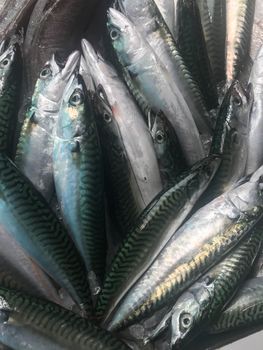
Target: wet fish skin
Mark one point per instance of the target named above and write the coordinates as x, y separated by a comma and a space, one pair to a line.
55, 26
167, 9
35, 146
150, 75
239, 20
79, 177
28, 219
149, 22
154, 228
133, 165
245, 311
167, 148
10, 84
53, 321
202, 303
193, 49
233, 215
231, 138
255, 154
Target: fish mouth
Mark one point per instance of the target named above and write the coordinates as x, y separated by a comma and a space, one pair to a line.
116, 19
71, 65
89, 54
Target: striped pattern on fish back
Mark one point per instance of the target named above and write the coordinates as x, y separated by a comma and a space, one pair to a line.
43, 229
243, 35
194, 51
246, 310
233, 271
8, 110
55, 321
140, 242
192, 85
171, 285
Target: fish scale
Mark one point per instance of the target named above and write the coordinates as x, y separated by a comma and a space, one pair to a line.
27, 217
153, 229
53, 321
245, 310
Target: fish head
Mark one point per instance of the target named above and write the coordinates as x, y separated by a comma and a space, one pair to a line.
51, 84
184, 319
72, 114
124, 37
10, 57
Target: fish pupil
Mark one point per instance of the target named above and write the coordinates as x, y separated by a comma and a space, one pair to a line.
5, 62
114, 34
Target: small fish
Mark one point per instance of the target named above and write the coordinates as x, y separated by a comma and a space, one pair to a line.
153, 230
239, 22
244, 311
193, 49
52, 322
192, 250
79, 177
202, 303
129, 152
26, 217
167, 148
255, 136
10, 84
153, 79
231, 139
35, 147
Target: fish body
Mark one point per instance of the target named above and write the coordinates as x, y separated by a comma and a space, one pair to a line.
203, 301
148, 21
255, 143
28, 219
153, 230
52, 322
239, 22
35, 146
10, 81
167, 9
180, 264
79, 178
133, 165
231, 138
244, 311
192, 46
153, 79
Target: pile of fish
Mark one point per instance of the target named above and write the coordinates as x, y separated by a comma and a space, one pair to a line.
131, 174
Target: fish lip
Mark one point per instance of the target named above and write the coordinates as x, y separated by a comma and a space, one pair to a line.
90, 56
70, 65
115, 18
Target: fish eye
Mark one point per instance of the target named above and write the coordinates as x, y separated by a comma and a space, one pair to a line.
160, 136
237, 101
76, 98
5, 62
107, 117
185, 320
114, 34
45, 73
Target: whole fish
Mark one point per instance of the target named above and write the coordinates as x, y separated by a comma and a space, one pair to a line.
203, 301
245, 311
192, 46
14, 15
52, 321
26, 216
18, 271
10, 84
231, 138
132, 163
181, 263
239, 22
78, 174
148, 20
153, 79
167, 148
55, 26
153, 230
255, 136
35, 147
